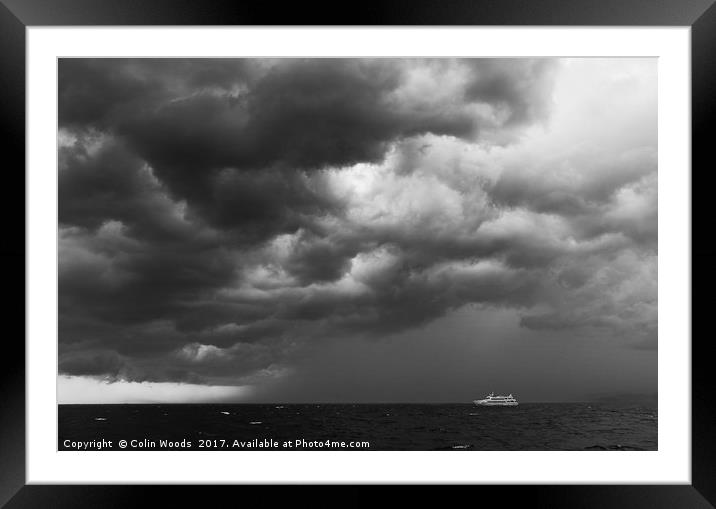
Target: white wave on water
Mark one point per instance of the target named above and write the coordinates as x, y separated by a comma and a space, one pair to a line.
255, 422
226, 413
100, 418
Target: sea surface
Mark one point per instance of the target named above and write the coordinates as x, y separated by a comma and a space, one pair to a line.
415, 427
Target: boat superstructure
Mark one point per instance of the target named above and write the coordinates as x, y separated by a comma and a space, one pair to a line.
492, 400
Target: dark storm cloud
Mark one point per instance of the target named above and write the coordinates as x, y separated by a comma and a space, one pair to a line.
101, 92
112, 183
193, 363
218, 217
253, 116
520, 87
198, 123
104, 363
317, 258
109, 276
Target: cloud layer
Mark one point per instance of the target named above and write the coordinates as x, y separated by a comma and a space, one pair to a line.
221, 219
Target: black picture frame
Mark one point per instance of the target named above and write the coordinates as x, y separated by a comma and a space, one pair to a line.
16, 15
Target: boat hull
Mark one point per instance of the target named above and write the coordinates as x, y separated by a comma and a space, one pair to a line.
495, 403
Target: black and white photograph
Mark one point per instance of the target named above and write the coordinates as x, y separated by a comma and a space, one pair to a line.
357, 254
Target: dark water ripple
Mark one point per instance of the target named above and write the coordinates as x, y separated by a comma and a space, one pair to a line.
531, 426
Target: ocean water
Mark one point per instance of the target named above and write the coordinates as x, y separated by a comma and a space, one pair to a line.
421, 427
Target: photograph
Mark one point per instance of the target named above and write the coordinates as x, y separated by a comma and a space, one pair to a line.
453, 245
357, 254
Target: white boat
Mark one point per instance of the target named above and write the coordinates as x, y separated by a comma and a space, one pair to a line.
492, 400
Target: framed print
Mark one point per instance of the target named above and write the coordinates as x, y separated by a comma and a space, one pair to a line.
443, 246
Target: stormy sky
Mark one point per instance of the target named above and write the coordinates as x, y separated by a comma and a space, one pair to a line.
356, 230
